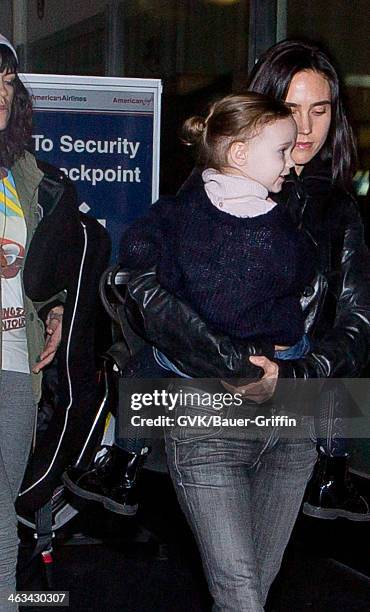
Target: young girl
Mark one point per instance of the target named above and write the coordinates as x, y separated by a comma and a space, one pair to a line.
225, 248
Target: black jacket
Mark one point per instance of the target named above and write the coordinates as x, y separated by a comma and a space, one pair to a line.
336, 306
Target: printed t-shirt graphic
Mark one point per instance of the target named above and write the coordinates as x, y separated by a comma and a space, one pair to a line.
12, 247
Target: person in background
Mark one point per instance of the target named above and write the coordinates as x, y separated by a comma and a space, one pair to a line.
44, 278
23, 349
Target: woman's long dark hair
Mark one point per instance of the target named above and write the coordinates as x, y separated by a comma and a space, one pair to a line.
15, 137
272, 76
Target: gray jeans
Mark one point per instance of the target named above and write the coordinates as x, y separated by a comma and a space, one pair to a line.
17, 417
240, 492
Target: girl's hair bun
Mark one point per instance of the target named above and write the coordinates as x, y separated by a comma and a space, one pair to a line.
193, 130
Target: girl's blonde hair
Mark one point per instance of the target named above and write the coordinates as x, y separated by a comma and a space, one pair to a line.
231, 119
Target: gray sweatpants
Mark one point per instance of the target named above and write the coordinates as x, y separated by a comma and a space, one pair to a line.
17, 417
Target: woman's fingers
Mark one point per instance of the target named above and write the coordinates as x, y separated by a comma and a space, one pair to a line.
262, 390
270, 368
54, 323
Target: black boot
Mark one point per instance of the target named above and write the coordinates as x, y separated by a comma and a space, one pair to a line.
112, 480
331, 493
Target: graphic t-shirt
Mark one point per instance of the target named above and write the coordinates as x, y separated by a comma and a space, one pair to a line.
13, 234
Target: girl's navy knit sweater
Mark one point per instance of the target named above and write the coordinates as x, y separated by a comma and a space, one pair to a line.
244, 276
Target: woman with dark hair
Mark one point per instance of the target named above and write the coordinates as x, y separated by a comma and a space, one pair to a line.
241, 490
23, 350
17, 114
291, 71
273, 75
337, 310
46, 280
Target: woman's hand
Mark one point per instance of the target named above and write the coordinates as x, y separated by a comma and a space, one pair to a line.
54, 322
262, 390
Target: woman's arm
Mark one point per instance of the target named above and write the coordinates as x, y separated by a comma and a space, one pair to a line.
197, 350
177, 330
344, 350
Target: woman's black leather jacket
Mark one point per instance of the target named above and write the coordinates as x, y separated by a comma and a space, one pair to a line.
336, 304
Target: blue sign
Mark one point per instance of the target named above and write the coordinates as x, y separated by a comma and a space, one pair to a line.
105, 137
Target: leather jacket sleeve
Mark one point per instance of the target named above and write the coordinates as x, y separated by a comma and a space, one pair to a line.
176, 329
343, 350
